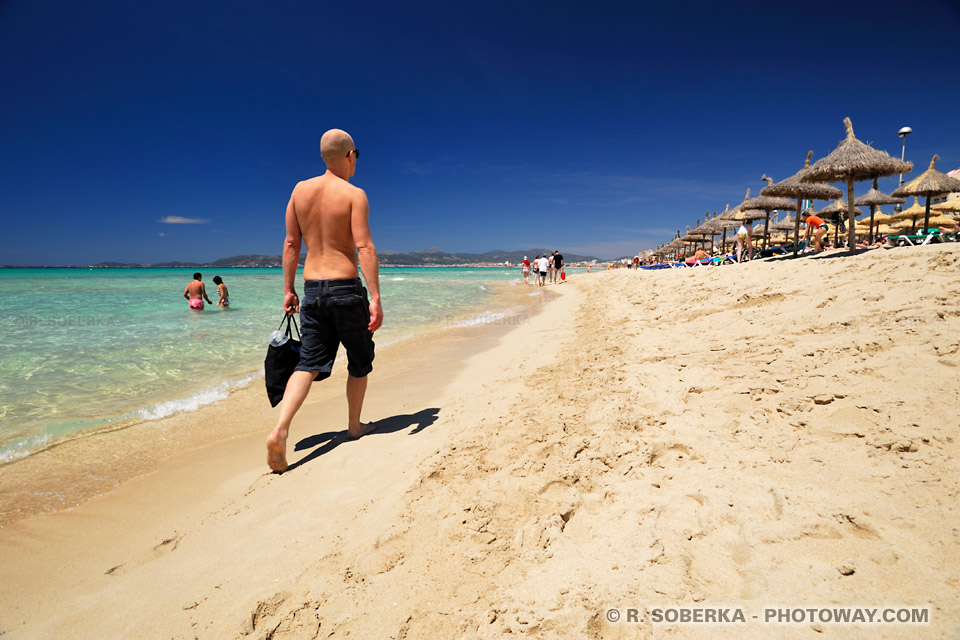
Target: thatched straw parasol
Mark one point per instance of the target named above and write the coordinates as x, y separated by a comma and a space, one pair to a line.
942, 220
910, 213
881, 218
767, 203
950, 206
873, 199
853, 161
783, 225
839, 206
792, 187
929, 183
724, 222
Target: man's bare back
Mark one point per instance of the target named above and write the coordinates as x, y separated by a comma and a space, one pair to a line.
323, 207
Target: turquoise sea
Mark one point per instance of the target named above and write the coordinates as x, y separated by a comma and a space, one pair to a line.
83, 348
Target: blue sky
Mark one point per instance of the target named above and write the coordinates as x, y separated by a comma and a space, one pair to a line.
595, 127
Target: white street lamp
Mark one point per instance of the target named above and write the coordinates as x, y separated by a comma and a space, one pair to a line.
903, 133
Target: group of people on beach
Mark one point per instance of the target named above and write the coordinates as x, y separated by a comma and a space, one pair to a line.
544, 267
196, 292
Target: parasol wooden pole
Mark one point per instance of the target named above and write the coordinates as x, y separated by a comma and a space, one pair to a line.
851, 216
873, 209
766, 230
926, 217
796, 229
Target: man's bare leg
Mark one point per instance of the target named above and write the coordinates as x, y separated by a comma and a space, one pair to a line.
356, 388
293, 396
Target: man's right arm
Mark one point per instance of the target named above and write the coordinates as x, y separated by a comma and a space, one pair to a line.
291, 259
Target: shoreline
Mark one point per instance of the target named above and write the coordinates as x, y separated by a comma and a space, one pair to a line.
63, 474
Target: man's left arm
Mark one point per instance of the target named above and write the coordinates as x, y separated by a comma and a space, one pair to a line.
367, 255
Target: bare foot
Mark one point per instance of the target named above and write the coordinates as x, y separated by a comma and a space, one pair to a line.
364, 430
277, 453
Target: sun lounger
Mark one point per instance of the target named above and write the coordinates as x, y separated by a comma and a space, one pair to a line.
918, 239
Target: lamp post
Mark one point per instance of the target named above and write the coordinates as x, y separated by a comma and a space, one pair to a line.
903, 133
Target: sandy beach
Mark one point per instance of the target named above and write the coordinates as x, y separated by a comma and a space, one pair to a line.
774, 434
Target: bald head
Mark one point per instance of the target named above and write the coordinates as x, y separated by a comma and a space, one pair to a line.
335, 145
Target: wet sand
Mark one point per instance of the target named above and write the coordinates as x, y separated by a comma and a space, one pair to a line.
782, 433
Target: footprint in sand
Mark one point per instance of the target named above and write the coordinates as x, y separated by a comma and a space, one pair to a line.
161, 549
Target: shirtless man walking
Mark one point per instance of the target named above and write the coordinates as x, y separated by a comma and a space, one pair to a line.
331, 217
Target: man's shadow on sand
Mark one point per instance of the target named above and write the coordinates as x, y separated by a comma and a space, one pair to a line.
419, 420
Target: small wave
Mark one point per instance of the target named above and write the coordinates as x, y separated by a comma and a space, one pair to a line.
397, 279
194, 402
487, 317
483, 288
24, 447
386, 343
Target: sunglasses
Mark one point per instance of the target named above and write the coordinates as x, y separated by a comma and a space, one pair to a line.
355, 152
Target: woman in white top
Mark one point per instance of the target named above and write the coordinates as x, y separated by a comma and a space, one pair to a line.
745, 237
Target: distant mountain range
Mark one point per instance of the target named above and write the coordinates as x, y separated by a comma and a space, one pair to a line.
428, 258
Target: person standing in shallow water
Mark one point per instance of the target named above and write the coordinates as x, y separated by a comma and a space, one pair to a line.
196, 293
331, 217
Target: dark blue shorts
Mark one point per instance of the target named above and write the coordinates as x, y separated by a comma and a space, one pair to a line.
335, 312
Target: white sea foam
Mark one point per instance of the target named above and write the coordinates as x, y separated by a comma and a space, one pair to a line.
192, 403
24, 447
489, 317
397, 279
483, 288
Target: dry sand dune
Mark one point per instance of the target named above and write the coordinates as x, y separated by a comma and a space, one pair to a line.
770, 435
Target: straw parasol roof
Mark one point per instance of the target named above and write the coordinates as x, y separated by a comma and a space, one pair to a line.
942, 219
853, 161
745, 215
910, 213
876, 198
950, 206
792, 187
929, 183
769, 202
880, 218
784, 225
838, 206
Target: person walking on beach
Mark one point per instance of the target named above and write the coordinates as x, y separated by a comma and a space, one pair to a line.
525, 268
542, 265
331, 217
196, 293
557, 266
